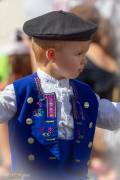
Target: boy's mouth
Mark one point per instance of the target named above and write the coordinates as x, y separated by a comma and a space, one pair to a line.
80, 70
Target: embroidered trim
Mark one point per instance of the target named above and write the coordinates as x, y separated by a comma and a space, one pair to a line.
51, 105
51, 100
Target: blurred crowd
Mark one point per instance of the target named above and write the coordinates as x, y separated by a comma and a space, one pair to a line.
102, 73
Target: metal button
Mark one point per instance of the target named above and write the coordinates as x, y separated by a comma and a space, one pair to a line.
91, 125
29, 121
90, 144
31, 157
30, 100
86, 105
30, 140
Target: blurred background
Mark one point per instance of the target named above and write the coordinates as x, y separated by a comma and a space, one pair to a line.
102, 71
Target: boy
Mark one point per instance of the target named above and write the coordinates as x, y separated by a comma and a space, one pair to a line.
52, 117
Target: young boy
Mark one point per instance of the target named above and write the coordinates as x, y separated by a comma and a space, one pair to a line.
52, 117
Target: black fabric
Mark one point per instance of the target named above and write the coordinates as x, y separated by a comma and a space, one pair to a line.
60, 25
101, 81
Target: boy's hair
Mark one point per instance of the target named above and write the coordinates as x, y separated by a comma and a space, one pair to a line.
39, 47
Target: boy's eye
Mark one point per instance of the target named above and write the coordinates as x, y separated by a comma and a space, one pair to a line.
79, 53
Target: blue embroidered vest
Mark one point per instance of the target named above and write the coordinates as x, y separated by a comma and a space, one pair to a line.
34, 141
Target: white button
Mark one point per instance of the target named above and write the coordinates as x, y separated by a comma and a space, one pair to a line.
90, 144
30, 140
30, 100
29, 121
91, 125
86, 105
31, 157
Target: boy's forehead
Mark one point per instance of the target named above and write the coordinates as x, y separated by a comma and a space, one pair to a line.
80, 45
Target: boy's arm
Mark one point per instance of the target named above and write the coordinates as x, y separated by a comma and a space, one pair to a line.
108, 114
7, 103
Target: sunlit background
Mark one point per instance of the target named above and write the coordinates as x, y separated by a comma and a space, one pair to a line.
105, 164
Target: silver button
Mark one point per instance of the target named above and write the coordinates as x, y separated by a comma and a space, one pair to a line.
86, 105
29, 121
30, 140
31, 157
91, 125
90, 144
30, 100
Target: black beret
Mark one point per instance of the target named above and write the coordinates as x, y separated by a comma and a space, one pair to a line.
60, 25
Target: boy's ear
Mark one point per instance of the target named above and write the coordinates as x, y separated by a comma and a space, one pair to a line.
50, 54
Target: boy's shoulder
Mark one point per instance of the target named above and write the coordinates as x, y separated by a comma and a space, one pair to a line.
25, 81
84, 91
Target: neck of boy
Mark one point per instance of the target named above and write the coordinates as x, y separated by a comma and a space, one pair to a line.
52, 72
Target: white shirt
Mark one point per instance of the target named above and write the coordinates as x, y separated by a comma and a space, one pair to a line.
108, 113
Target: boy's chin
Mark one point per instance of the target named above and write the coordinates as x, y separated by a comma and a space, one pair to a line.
76, 75
73, 76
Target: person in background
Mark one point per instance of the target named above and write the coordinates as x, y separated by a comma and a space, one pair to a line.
68, 4
101, 74
19, 63
102, 68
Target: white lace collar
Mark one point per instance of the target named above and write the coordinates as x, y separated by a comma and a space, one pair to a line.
49, 79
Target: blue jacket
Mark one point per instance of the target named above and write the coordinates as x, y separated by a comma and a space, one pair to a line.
35, 146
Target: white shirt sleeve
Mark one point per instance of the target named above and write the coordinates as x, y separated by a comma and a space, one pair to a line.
8, 105
108, 114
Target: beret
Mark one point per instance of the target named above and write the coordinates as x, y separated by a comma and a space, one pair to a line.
60, 25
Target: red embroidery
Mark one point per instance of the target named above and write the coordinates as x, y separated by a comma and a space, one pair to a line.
50, 130
51, 105
51, 100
